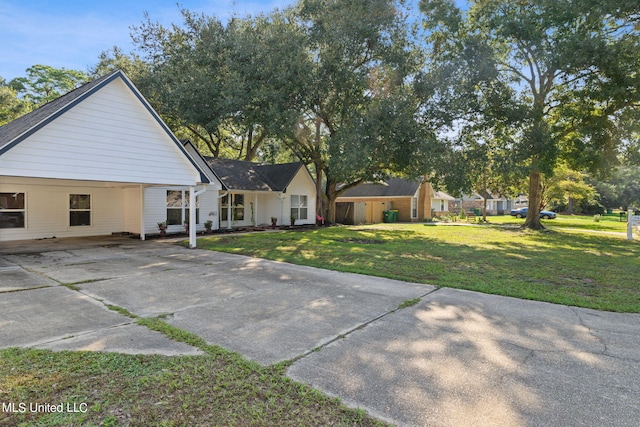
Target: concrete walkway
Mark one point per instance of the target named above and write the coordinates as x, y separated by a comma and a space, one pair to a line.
455, 358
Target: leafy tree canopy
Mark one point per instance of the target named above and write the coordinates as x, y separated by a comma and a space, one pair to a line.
11, 107
328, 80
556, 78
44, 83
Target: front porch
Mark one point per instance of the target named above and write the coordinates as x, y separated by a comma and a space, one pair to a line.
243, 209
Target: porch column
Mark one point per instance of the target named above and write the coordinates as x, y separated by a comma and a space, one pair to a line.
192, 217
255, 209
142, 232
229, 201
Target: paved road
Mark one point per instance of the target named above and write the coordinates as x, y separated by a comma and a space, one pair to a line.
455, 358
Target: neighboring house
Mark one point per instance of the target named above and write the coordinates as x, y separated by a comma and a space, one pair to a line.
96, 161
367, 202
253, 193
496, 204
440, 203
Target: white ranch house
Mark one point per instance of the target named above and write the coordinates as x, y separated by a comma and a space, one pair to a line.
98, 161
254, 193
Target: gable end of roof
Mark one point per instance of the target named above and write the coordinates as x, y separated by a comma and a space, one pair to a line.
21, 128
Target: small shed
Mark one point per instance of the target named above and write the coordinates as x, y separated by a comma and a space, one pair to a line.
412, 200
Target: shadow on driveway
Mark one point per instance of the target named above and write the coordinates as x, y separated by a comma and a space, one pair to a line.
457, 358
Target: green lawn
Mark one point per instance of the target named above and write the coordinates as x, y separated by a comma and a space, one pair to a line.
218, 388
565, 264
609, 222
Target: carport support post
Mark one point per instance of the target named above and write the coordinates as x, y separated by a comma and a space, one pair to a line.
192, 217
142, 232
193, 210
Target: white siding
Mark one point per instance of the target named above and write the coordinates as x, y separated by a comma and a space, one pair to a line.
155, 208
47, 209
269, 205
209, 207
302, 184
132, 206
109, 136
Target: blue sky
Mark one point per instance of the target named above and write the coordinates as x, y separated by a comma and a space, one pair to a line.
72, 33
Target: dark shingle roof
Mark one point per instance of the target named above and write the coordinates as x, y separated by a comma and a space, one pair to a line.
249, 176
394, 187
14, 129
281, 175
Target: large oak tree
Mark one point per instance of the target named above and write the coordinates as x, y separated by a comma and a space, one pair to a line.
329, 80
359, 119
558, 74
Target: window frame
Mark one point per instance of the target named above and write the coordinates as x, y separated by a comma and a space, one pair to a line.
13, 211
183, 208
73, 210
237, 207
298, 206
414, 207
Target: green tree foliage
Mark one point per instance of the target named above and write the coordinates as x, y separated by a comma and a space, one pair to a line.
556, 76
44, 83
115, 59
567, 189
622, 189
232, 87
359, 118
326, 79
11, 107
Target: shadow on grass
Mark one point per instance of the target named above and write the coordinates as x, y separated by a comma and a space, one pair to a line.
595, 271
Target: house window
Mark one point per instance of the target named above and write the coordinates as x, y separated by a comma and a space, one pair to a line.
442, 205
414, 207
299, 207
237, 207
79, 210
178, 207
12, 210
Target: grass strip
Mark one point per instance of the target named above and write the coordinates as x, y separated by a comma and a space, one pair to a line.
578, 267
219, 388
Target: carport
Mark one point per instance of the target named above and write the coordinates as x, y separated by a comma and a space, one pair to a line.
85, 165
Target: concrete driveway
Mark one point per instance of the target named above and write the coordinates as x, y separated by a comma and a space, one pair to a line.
455, 358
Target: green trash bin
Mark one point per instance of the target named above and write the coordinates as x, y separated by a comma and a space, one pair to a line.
387, 216
394, 215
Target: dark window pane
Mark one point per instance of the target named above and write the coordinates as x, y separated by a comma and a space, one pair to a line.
11, 219
77, 218
174, 216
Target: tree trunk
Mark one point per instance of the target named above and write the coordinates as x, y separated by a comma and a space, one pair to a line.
484, 206
535, 198
331, 196
319, 198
